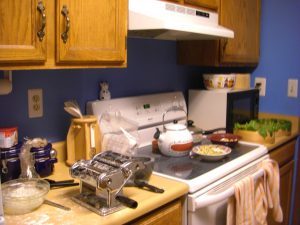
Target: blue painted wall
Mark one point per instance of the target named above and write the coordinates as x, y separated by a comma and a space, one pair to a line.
152, 68
280, 55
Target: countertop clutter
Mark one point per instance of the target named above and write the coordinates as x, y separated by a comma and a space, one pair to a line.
282, 151
147, 201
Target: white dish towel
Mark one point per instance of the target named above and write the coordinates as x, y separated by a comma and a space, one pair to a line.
251, 201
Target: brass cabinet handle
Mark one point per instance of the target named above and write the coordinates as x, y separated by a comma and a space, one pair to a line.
65, 34
41, 33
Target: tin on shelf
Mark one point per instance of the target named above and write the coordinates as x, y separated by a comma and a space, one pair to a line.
8, 137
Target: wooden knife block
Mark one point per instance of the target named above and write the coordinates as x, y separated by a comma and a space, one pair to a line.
80, 139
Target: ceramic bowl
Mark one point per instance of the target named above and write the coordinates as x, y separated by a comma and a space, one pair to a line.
223, 82
227, 139
211, 152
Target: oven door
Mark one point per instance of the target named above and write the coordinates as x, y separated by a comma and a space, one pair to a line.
209, 205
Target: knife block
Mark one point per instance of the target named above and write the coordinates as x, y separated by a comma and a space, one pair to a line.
83, 139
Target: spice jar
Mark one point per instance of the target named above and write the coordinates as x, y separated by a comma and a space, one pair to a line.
10, 162
44, 159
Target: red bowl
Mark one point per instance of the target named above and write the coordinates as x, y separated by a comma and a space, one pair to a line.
227, 139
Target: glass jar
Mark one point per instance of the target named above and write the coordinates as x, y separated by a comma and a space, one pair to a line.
10, 163
44, 159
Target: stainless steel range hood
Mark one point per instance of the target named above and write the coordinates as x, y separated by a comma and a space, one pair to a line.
168, 21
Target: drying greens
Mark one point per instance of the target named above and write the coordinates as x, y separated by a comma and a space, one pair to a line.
265, 127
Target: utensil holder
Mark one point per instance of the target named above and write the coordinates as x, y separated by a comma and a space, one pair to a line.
83, 139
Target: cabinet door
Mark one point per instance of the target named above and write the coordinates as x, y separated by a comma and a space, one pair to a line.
243, 17
170, 214
210, 4
94, 31
286, 184
20, 22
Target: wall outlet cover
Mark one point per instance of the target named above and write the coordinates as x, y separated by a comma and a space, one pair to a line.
35, 103
261, 82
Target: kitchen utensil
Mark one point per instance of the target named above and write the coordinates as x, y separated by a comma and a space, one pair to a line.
54, 204
102, 180
227, 139
83, 139
175, 140
73, 111
144, 184
71, 103
21, 196
60, 184
130, 203
211, 152
224, 82
72, 107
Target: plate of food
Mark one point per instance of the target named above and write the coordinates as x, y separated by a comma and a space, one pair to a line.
211, 152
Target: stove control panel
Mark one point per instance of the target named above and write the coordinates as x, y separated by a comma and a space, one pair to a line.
146, 110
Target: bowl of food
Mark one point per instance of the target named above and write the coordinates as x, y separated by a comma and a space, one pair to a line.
22, 196
221, 82
211, 152
227, 139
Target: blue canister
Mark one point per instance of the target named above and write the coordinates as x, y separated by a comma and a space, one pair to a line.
10, 162
44, 158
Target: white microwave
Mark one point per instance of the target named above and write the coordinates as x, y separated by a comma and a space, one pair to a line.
219, 109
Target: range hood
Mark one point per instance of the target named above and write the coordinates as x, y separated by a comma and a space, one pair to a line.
167, 21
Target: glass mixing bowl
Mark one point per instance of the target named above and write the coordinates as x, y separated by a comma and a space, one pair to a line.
22, 196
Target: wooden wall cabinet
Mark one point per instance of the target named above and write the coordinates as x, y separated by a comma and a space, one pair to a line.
284, 155
78, 33
207, 4
243, 17
20, 22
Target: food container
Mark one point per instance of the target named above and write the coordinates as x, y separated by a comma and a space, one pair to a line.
211, 152
223, 82
8, 137
264, 131
227, 139
10, 162
22, 196
44, 159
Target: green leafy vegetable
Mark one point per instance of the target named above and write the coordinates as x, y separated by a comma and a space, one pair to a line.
265, 127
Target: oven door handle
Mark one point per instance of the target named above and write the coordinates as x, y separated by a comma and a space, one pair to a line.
209, 199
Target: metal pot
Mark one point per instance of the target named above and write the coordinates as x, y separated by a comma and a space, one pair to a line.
175, 140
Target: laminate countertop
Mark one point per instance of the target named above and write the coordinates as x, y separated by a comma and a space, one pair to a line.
147, 201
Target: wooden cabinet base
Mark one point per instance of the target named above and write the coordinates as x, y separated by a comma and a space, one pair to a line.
170, 214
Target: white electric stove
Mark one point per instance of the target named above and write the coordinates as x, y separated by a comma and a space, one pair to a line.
210, 183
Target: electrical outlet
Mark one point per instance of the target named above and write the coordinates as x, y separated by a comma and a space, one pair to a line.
35, 103
292, 88
261, 83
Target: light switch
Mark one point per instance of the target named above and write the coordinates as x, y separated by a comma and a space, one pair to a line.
292, 88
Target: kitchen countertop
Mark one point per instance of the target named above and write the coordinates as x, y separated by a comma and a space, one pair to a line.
147, 201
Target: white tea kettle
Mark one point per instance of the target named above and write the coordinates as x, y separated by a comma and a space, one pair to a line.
175, 140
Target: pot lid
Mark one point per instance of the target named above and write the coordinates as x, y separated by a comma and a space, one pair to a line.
175, 126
